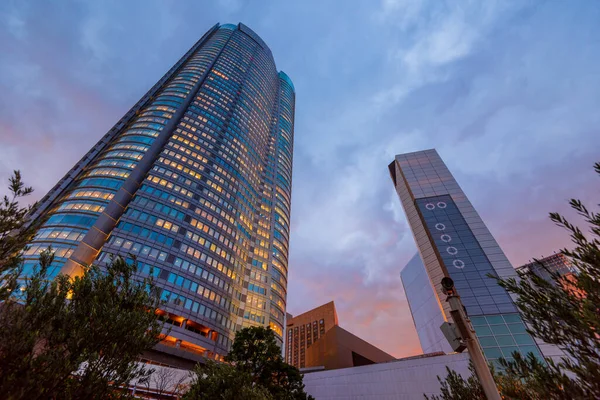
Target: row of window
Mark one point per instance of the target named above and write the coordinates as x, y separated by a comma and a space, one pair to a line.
136, 248
141, 216
60, 250
199, 255
135, 139
158, 207
88, 206
194, 237
112, 172
105, 183
188, 139
70, 234
207, 244
140, 148
126, 154
71, 219
118, 163
146, 233
163, 195
169, 185
185, 265
193, 306
91, 193
254, 316
189, 161
175, 176
257, 275
257, 289
214, 220
179, 167
256, 302
190, 285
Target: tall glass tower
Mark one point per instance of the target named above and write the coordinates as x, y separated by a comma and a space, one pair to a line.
453, 241
195, 182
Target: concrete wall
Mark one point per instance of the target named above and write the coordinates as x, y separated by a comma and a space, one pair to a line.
334, 350
406, 379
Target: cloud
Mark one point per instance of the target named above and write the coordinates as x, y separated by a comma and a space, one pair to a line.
506, 91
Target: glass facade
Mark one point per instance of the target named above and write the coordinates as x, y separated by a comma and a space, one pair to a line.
554, 264
463, 257
195, 181
426, 311
453, 241
468, 266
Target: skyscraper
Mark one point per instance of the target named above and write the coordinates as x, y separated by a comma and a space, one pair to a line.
453, 241
195, 181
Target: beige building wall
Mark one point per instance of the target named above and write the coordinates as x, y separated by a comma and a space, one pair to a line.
305, 329
314, 339
341, 349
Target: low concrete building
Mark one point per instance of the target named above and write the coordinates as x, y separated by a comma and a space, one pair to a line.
403, 379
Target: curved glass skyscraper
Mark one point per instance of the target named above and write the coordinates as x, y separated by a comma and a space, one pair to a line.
195, 181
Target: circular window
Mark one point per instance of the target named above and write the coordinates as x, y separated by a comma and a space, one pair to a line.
440, 226
458, 264
451, 250
441, 204
430, 206
446, 238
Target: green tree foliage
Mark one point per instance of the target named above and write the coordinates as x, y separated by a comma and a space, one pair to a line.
77, 338
527, 378
522, 379
567, 313
68, 338
14, 233
256, 362
564, 312
224, 382
455, 387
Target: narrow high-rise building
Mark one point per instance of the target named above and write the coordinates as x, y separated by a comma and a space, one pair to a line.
454, 242
195, 182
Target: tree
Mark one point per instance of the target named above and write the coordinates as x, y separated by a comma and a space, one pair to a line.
522, 379
166, 381
455, 387
77, 338
255, 351
528, 378
564, 312
225, 382
255, 362
567, 313
15, 233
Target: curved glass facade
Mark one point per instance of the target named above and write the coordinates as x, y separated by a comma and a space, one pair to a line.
196, 184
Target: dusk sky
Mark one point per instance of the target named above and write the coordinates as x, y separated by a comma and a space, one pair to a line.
507, 92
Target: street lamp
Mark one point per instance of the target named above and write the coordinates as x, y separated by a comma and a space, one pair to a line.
461, 336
